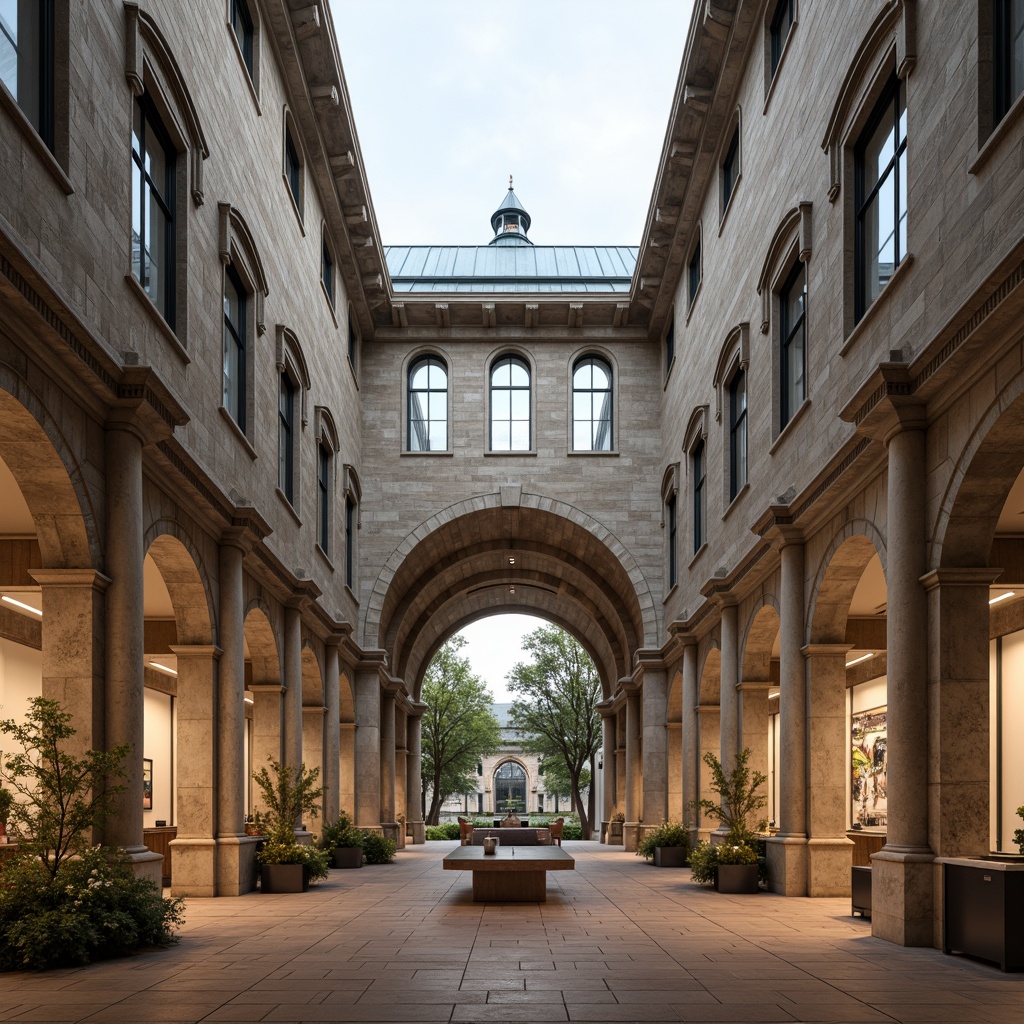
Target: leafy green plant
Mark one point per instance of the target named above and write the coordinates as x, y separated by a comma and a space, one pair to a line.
738, 796
1018, 835
703, 861
288, 794
340, 834
735, 853
6, 802
446, 830
317, 861
668, 833
378, 849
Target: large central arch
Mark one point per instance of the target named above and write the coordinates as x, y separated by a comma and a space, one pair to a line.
484, 556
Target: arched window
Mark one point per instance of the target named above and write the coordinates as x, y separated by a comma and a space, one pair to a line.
510, 405
428, 405
592, 405
510, 788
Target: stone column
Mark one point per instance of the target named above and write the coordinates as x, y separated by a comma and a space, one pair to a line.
729, 695
958, 710
901, 882
608, 731
387, 762
787, 851
332, 734
401, 772
414, 772
620, 759
655, 744
194, 849
292, 738
634, 778
347, 771
708, 739
123, 698
829, 852
690, 750
367, 744
267, 706
754, 729
314, 720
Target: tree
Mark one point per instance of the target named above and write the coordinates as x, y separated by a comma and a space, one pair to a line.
459, 726
557, 713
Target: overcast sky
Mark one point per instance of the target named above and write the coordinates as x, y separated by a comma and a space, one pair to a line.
572, 97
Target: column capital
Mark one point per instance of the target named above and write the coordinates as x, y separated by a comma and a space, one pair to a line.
754, 686
373, 660
706, 709
777, 524
825, 650
196, 651
266, 688
70, 579
954, 576
886, 404
313, 709
145, 406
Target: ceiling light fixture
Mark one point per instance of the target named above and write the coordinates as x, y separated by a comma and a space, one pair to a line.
21, 604
857, 661
995, 600
163, 668
512, 589
511, 561
249, 700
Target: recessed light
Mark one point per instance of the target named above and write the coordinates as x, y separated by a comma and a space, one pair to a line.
163, 668
21, 604
857, 661
994, 600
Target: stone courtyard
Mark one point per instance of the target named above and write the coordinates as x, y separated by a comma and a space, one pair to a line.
618, 940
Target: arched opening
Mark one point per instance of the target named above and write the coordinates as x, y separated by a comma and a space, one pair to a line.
759, 698
511, 787
709, 720
264, 706
314, 714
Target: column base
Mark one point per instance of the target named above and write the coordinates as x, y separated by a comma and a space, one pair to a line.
146, 864
631, 831
391, 830
828, 866
236, 864
787, 864
194, 871
416, 832
901, 897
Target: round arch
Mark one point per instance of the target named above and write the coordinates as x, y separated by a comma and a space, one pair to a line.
262, 649
172, 549
312, 677
758, 640
709, 679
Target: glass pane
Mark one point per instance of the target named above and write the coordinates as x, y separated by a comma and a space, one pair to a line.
501, 375
520, 405
603, 435
156, 237
501, 436
137, 268
520, 375
438, 436
137, 129
581, 440
902, 211
520, 437
879, 151
581, 402
438, 376
501, 404
602, 377
886, 243
871, 252
420, 377
437, 406
156, 164
232, 302
9, 45
583, 376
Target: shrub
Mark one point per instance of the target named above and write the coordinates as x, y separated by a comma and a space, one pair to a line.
341, 833
738, 791
316, 860
668, 833
735, 853
446, 830
1018, 836
572, 829
378, 849
703, 861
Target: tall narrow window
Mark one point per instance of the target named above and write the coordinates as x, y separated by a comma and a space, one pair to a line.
293, 168
737, 433
353, 339
241, 22
881, 195
327, 270
781, 23
1007, 53
27, 60
730, 168
153, 207
324, 455
510, 405
699, 469
428, 406
670, 342
235, 303
693, 273
592, 406
350, 540
793, 341
286, 437
670, 515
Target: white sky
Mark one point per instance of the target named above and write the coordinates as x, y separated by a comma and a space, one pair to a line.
570, 96
495, 645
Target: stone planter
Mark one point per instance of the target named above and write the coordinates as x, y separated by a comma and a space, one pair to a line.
736, 878
281, 878
670, 856
348, 856
982, 898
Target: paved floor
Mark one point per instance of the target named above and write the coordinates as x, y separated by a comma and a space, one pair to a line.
618, 940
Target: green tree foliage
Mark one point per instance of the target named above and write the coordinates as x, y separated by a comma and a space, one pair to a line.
556, 713
459, 726
289, 793
737, 790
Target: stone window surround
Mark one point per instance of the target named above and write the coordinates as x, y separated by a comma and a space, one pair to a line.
326, 432
353, 493
327, 245
695, 260
771, 75
606, 357
733, 357
696, 432
289, 359
516, 353
289, 133
733, 133
670, 492
991, 132
252, 80
413, 357
354, 339
668, 340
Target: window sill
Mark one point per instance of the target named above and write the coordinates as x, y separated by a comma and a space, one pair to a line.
593, 454
898, 274
787, 429
288, 505
735, 501
998, 135
239, 433
531, 452
446, 454
672, 591
33, 138
158, 317
324, 557
696, 555
351, 593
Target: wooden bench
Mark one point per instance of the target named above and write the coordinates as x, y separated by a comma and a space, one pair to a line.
510, 874
512, 836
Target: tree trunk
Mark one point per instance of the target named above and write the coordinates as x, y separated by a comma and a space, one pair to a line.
591, 794
577, 801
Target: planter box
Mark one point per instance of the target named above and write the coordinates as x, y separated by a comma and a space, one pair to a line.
736, 878
281, 878
860, 890
670, 856
981, 903
348, 856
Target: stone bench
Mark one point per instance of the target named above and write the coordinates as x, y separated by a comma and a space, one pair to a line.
513, 836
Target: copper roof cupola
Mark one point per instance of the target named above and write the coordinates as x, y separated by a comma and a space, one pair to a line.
510, 221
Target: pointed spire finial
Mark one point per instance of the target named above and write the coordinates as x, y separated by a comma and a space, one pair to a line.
510, 183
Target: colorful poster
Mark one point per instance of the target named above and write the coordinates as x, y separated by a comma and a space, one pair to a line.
868, 792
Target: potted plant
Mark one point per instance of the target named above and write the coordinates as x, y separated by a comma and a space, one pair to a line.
6, 802
615, 827
285, 864
668, 844
1018, 835
736, 867
344, 842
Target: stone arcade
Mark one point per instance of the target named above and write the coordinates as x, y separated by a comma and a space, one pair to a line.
255, 467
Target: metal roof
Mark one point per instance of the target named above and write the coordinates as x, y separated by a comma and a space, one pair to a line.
487, 268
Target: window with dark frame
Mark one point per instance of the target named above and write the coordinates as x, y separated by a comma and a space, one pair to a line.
350, 540
153, 207
781, 23
730, 168
323, 485
242, 23
293, 168
510, 405
352, 341
27, 40
286, 437
428, 405
670, 342
694, 272
697, 462
327, 270
670, 515
793, 343
1007, 54
880, 159
592, 405
235, 345
737, 433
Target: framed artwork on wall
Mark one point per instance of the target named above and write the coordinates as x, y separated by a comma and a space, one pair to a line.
869, 766
147, 784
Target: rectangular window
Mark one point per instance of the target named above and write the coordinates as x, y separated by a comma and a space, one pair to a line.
699, 498
293, 169
737, 433
730, 168
235, 302
241, 22
323, 484
694, 272
153, 207
1007, 54
670, 342
350, 541
27, 60
670, 515
286, 437
793, 343
781, 23
881, 195
327, 271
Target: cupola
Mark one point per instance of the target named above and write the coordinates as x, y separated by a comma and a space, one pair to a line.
510, 222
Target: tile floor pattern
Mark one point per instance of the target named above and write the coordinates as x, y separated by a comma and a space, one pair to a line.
618, 940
